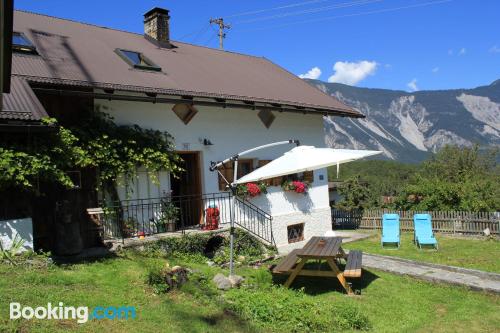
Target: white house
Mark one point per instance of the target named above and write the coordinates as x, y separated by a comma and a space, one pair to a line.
214, 103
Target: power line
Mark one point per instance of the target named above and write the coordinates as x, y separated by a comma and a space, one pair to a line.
209, 40
200, 34
196, 33
348, 15
259, 11
310, 11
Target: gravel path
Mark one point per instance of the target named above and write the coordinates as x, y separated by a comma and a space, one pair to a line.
474, 279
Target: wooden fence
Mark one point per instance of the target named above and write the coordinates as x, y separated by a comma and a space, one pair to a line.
442, 221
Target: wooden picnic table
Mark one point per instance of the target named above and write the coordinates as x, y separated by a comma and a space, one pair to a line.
323, 249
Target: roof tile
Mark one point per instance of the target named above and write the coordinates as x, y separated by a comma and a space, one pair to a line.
77, 53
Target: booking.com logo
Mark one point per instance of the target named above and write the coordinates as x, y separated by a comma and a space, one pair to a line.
81, 314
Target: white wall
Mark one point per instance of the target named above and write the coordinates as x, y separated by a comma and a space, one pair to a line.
316, 223
22, 227
231, 131
141, 186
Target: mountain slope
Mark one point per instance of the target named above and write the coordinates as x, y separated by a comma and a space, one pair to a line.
408, 126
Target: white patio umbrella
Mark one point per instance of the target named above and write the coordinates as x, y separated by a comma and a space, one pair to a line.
298, 159
305, 158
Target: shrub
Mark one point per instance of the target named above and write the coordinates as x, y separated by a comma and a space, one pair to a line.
155, 278
163, 279
15, 248
286, 310
221, 256
200, 246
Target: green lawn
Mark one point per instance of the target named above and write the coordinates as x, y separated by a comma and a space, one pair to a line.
391, 303
461, 252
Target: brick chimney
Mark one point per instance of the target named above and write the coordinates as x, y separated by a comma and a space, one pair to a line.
156, 26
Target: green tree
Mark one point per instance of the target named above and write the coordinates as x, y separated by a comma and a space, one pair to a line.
355, 194
383, 178
456, 178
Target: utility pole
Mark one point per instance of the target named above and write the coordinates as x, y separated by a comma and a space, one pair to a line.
221, 34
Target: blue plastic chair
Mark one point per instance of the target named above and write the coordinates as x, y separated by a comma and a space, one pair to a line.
423, 234
390, 229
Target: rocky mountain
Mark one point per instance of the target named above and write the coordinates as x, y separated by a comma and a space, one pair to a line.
409, 126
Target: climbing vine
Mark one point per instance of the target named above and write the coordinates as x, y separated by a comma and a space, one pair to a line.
94, 141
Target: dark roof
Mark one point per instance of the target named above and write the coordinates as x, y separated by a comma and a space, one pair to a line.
79, 54
21, 103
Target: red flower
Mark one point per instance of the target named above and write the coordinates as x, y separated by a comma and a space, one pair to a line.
300, 187
253, 189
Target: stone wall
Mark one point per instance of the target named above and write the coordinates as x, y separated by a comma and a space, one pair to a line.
316, 223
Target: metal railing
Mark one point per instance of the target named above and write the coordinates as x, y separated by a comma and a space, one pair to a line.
254, 220
132, 218
348, 219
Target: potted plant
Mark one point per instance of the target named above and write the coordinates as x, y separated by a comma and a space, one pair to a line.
160, 225
128, 229
296, 186
168, 217
251, 189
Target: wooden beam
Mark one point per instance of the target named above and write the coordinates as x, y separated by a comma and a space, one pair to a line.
295, 272
200, 101
312, 272
340, 276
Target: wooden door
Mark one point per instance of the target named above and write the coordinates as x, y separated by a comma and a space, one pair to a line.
187, 192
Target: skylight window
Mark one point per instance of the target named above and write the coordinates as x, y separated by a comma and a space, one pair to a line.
21, 43
137, 60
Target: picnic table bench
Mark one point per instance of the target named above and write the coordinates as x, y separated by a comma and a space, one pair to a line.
323, 249
353, 265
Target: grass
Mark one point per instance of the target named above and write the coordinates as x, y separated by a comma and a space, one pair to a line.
468, 253
110, 282
391, 303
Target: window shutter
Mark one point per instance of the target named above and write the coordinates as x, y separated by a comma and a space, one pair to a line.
263, 162
309, 176
276, 181
245, 166
227, 172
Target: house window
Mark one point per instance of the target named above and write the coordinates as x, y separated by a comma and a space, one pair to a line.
267, 117
295, 232
245, 166
21, 43
185, 112
137, 60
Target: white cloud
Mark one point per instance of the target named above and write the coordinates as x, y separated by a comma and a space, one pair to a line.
435, 69
314, 73
352, 72
495, 49
462, 51
412, 85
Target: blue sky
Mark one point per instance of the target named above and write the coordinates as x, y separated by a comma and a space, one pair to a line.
394, 44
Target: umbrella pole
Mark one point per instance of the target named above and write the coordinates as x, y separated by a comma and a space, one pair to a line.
233, 187
233, 218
